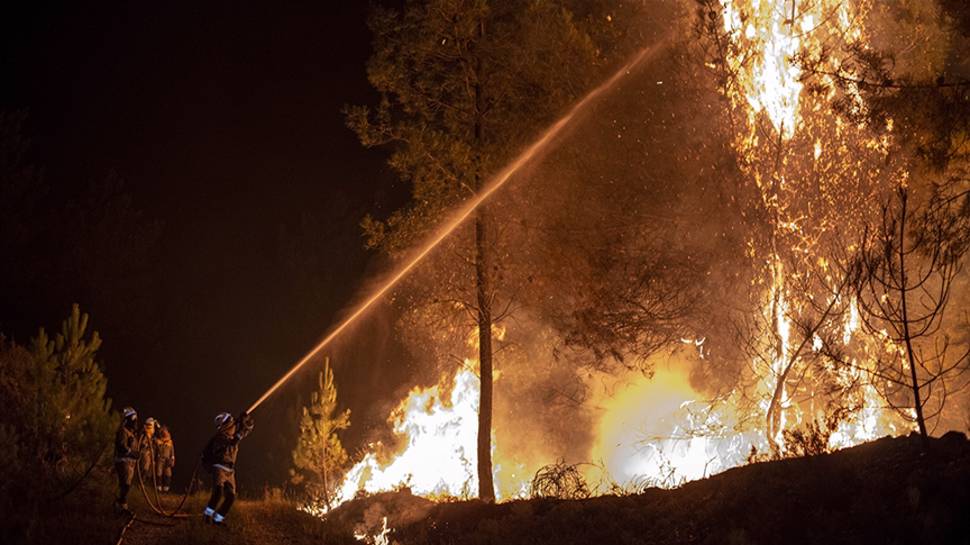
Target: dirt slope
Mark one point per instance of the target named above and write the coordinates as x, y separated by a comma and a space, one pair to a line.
881, 492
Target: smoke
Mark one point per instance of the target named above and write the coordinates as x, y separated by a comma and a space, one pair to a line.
636, 201
622, 260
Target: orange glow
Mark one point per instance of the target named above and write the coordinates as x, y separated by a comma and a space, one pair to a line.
648, 431
660, 430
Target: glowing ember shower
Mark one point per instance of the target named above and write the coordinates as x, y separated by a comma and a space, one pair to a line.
465, 211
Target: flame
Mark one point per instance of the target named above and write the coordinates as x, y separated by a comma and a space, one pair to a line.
648, 432
780, 147
438, 429
378, 538
770, 84
659, 430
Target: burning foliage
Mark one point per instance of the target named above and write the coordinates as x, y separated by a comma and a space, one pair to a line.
675, 282
559, 480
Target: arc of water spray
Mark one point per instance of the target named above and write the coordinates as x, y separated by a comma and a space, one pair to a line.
462, 213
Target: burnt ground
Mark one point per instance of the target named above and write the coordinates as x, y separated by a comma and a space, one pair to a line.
884, 492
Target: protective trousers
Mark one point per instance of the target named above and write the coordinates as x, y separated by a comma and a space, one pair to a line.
125, 469
164, 473
224, 488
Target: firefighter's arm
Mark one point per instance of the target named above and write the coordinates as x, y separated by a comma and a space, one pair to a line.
124, 443
121, 446
245, 425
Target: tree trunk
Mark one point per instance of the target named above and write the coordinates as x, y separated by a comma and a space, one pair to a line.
486, 488
326, 377
323, 478
917, 401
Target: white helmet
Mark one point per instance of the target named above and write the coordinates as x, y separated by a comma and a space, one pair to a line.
128, 412
151, 422
223, 420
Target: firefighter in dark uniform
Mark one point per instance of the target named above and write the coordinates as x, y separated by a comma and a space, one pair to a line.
126, 455
219, 458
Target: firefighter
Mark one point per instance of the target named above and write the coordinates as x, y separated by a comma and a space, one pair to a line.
164, 459
147, 460
219, 459
126, 455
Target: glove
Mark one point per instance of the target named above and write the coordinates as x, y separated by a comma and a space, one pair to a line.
245, 419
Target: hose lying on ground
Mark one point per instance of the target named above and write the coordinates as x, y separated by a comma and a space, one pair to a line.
121, 535
157, 508
132, 519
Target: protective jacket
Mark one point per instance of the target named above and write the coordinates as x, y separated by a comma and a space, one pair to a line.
126, 444
164, 451
222, 448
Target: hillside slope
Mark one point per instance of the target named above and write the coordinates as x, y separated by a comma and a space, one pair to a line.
882, 492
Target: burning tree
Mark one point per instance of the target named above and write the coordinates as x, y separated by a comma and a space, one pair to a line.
319, 455
812, 178
815, 141
463, 85
918, 105
682, 212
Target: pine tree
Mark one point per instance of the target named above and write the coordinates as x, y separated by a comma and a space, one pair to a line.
319, 455
71, 411
464, 85
912, 261
53, 408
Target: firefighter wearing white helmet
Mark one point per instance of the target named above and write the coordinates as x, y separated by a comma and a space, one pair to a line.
126, 455
219, 458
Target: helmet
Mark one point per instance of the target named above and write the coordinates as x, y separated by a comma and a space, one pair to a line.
150, 422
128, 413
223, 420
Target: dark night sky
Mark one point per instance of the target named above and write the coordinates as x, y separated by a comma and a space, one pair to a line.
224, 120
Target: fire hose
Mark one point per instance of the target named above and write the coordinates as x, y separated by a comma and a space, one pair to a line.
132, 519
157, 508
86, 474
121, 535
459, 216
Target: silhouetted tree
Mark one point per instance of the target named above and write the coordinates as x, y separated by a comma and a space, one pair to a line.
919, 101
906, 282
